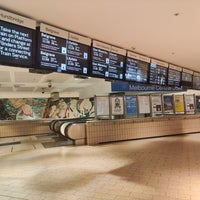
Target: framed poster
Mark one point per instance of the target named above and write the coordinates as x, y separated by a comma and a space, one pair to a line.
168, 104
189, 104
156, 105
102, 106
131, 105
144, 104
117, 105
179, 104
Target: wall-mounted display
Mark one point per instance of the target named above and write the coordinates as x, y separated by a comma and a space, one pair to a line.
62, 51
17, 40
158, 72
102, 106
107, 61
156, 105
174, 76
179, 104
144, 104
137, 67
196, 81
186, 80
131, 105
189, 104
168, 103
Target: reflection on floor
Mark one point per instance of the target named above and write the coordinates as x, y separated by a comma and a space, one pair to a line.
165, 168
13, 144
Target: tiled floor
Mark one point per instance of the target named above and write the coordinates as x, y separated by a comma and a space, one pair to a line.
165, 168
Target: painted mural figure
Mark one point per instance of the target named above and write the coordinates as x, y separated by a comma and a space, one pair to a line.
24, 110
36, 108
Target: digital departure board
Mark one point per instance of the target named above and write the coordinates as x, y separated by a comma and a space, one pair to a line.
186, 79
62, 51
158, 72
78, 54
196, 81
17, 40
137, 67
174, 75
107, 61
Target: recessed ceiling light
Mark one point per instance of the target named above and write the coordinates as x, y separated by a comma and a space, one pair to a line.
176, 14
133, 48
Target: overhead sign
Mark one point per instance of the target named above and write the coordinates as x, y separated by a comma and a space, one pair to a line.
138, 87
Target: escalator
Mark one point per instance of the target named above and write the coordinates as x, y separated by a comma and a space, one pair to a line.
71, 129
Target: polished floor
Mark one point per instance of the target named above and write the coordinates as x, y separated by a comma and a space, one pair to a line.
165, 168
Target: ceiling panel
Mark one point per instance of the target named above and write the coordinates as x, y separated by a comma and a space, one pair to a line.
5, 76
57, 77
24, 77
6, 89
24, 89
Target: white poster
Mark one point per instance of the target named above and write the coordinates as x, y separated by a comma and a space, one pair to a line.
102, 106
117, 105
189, 104
156, 104
144, 104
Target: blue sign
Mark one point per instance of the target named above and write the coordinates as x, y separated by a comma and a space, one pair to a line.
131, 105
138, 87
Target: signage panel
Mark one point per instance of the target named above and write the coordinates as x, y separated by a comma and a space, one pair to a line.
63, 51
17, 40
107, 61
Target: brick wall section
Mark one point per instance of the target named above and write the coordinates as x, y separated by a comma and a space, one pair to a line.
24, 127
116, 130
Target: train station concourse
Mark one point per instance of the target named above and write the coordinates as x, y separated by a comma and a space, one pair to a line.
99, 100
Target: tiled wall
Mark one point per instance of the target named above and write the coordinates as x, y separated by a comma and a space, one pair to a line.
24, 127
115, 130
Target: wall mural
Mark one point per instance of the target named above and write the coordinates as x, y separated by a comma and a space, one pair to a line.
37, 108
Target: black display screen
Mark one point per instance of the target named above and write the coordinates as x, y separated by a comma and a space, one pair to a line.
174, 77
136, 70
67, 53
17, 42
196, 82
77, 58
107, 61
186, 80
51, 52
157, 74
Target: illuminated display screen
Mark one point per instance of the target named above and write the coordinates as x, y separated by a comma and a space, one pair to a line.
196, 81
158, 73
61, 51
107, 61
186, 80
137, 68
17, 40
174, 77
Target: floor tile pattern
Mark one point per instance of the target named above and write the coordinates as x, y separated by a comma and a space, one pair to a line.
166, 168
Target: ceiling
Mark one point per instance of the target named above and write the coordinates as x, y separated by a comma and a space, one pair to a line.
166, 30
